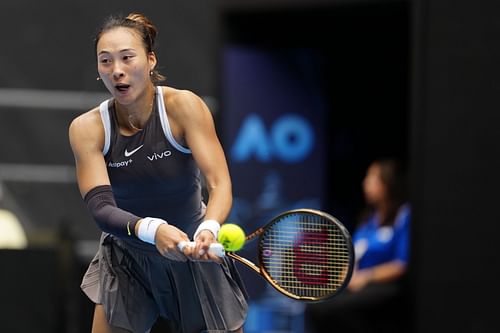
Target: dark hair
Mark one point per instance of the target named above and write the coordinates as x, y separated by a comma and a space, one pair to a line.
140, 24
393, 176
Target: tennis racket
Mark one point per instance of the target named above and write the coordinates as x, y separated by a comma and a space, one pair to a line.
305, 254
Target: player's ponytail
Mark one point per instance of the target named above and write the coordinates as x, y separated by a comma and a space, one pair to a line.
143, 21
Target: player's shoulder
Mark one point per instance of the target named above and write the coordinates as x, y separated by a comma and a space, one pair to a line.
180, 99
184, 106
87, 122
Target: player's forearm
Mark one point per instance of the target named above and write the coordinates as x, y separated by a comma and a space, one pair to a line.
219, 203
102, 206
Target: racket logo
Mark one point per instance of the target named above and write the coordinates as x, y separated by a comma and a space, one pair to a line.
309, 261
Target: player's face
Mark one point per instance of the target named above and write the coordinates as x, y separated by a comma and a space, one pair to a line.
374, 188
124, 64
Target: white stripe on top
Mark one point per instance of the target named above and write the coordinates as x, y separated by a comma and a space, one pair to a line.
165, 124
103, 108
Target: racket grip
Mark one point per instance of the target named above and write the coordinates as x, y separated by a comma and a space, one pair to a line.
215, 248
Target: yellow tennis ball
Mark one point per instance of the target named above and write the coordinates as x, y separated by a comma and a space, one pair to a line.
231, 236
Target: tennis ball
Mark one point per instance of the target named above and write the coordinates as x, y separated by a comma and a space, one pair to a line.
231, 236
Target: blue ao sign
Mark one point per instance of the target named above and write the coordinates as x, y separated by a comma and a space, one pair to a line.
290, 140
273, 126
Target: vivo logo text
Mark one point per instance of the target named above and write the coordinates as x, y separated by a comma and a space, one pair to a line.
156, 156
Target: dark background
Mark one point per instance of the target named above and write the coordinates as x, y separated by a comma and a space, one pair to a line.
413, 79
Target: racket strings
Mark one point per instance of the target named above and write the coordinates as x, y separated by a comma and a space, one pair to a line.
306, 254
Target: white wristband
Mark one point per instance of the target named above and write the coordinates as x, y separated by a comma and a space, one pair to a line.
147, 229
211, 225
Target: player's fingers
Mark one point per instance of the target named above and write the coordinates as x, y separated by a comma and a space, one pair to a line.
209, 252
187, 250
199, 251
173, 253
190, 249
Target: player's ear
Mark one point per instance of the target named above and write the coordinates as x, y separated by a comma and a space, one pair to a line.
152, 61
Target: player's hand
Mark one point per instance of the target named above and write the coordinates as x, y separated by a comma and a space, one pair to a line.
200, 250
167, 237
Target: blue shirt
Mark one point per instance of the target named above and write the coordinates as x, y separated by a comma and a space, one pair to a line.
375, 244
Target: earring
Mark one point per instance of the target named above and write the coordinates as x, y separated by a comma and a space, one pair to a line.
151, 73
98, 78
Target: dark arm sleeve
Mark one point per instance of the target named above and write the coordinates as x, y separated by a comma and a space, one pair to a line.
102, 206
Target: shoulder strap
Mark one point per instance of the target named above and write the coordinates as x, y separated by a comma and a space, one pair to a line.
106, 122
165, 124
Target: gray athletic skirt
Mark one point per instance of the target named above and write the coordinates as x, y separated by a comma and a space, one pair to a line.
136, 285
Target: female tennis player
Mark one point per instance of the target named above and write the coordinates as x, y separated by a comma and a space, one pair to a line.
138, 160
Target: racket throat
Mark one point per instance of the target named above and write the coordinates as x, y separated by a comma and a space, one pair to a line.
244, 261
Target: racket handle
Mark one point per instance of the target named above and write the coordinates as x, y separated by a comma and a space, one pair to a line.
215, 248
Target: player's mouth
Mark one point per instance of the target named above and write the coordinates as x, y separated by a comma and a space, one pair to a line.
122, 87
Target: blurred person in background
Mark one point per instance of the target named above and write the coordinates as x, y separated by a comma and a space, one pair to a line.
381, 246
138, 159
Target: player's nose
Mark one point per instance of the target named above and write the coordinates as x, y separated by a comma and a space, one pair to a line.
118, 72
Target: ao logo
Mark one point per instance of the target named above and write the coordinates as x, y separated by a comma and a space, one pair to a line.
290, 139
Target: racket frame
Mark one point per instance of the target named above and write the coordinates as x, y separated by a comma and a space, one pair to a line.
263, 273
